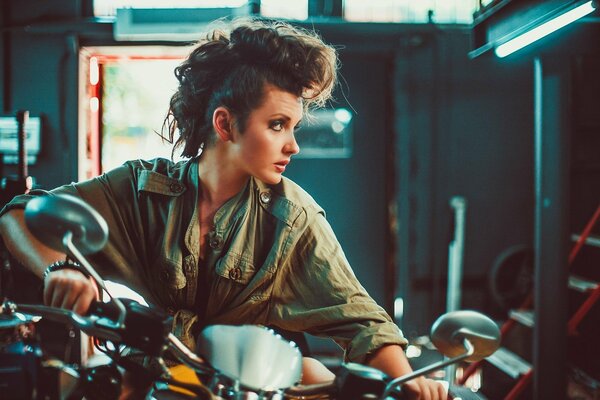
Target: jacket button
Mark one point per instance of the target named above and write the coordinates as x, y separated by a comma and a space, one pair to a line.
235, 273
176, 187
265, 197
215, 240
165, 274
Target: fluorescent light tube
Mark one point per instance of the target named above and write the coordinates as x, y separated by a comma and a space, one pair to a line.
545, 29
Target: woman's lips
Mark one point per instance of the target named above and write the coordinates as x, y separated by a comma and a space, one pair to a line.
280, 166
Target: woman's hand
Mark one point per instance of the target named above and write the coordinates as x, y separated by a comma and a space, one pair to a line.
424, 389
392, 360
70, 289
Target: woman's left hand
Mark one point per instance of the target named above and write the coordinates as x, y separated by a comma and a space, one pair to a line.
424, 389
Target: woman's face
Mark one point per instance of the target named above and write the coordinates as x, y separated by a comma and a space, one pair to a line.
267, 144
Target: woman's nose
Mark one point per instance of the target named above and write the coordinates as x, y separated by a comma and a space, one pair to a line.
292, 146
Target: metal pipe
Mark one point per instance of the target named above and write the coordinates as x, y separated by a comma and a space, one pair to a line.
551, 236
22, 120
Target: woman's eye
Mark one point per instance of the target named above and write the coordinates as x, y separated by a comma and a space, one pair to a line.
277, 125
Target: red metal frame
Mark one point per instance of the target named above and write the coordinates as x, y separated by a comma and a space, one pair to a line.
593, 297
595, 293
94, 128
584, 235
94, 117
583, 310
520, 386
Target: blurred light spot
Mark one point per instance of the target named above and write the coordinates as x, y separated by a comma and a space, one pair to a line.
398, 309
337, 127
413, 351
94, 71
122, 291
94, 104
343, 115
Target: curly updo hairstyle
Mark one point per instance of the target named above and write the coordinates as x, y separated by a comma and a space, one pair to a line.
230, 68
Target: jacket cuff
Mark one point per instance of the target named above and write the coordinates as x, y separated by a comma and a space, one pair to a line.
371, 339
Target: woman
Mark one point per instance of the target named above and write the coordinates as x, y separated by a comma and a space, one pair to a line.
222, 237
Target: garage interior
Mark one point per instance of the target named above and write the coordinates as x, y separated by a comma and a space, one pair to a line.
461, 177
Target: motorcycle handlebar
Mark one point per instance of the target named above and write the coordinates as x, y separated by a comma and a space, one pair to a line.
90, 326
100, 323
100, 315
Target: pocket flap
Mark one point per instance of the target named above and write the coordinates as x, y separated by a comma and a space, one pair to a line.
235, 267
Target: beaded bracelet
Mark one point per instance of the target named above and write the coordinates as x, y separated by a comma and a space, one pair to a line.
68, 264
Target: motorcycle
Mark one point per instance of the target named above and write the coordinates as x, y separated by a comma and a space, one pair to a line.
231, 362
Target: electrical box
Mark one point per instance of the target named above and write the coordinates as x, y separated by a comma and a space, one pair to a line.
9, 139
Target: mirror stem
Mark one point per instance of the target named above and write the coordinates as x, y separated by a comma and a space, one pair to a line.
68, 243
438, 365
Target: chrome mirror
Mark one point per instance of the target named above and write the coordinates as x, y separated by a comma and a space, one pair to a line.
450, 330
50, 218
461, 335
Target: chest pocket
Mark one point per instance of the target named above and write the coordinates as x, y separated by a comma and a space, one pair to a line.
235, 268
170, 273
237, 294
240, 281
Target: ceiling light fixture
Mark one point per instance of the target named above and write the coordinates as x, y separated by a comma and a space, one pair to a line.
552, 25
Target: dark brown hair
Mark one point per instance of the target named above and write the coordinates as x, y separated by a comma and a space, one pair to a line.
230, 68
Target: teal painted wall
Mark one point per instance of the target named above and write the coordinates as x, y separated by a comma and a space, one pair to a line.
42, 64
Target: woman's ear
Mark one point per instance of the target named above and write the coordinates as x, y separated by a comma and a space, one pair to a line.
223, 123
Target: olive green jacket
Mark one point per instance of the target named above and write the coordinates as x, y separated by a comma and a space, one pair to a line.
273, 258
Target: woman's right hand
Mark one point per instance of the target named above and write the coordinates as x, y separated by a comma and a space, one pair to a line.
70, 289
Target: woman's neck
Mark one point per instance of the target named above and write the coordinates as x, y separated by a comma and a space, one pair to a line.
219, 179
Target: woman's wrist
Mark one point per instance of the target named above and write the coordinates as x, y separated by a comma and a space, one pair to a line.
62, 265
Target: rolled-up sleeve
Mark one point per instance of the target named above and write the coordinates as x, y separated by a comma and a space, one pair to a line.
19, 202
112, 195
317, 292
